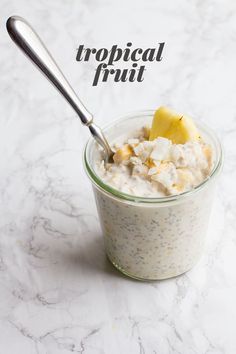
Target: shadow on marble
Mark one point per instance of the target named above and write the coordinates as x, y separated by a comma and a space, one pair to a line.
90, 257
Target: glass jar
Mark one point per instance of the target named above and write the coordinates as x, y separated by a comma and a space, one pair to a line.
152, 238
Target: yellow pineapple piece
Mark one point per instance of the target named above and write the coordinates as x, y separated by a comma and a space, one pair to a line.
185, 178
208, 153
150, 163
176, 127
146, 132
123, 154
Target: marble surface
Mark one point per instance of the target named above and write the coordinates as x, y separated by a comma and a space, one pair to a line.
58, 292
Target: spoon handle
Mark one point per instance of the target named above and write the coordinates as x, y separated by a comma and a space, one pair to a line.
29, 42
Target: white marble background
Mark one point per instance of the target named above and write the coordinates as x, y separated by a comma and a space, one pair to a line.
58, 293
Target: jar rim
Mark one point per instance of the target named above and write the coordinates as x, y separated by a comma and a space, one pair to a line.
115, 193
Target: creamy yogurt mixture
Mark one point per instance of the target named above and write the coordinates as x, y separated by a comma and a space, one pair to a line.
156, 168
161, 239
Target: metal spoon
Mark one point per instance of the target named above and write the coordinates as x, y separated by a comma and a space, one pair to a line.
29, 42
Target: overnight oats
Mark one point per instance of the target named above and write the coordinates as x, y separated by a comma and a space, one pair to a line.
154, 200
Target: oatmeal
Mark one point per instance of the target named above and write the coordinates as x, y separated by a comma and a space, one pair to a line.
156, 168
160, 238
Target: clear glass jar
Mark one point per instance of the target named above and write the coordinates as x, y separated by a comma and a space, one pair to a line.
152, 238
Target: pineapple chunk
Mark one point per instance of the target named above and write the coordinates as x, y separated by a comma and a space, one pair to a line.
175, 127
150, 163
208, 153
123, 154
185, 178
146, 132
